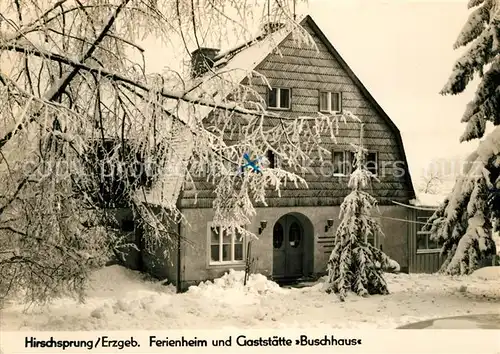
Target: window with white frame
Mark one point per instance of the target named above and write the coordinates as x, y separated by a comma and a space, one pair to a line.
344, 162
330, 102
279, 98
350, 161
424, 242
338, 160
226, 247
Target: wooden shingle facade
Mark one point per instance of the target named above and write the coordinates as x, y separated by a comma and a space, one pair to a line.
297, 229
306, 72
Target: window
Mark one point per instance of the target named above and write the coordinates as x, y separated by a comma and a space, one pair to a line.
272, 159
339, 163
350, 160
294, 235
344, 162
374, 240
424, 242
279, 98
278, 235
128, 225
372, 162
370, 239
225, 247
330, 102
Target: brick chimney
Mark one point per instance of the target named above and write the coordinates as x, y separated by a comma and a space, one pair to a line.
202, 59
271, 27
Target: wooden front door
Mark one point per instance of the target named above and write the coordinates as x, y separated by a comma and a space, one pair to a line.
288, 248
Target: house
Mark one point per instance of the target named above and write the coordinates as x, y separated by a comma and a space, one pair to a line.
296, 231
424, 254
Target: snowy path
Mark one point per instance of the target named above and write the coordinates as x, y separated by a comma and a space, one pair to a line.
120, 299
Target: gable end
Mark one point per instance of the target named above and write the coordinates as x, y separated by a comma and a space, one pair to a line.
309, 21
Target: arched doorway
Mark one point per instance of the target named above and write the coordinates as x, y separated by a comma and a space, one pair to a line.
290, 245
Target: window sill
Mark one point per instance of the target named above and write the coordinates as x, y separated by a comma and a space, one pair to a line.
436, 250
278, 109
226, 264
330, 112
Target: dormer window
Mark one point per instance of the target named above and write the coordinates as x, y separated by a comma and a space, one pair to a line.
330, 102
279, 98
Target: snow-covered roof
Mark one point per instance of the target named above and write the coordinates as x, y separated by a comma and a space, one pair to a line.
428, 200
233, 66
488, 147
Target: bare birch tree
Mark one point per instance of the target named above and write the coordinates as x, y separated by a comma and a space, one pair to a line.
430, 182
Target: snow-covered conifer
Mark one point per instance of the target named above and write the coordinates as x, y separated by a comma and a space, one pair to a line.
464, 222
355, 264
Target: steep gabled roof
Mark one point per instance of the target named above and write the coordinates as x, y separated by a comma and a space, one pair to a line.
308, 20
235, 65
247, 58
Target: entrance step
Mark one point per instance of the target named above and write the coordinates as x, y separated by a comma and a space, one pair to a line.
301, 282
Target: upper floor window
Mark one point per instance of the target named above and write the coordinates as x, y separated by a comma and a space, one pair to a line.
339, 163
372, 162
272, 159
279, 98
330, 102
344, 162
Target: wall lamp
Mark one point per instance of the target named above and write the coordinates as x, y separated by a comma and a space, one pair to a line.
263, 224
329, 224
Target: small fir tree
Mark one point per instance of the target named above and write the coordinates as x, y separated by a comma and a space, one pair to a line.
354, 263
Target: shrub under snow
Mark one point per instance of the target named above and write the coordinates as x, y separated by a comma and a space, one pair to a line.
256, 283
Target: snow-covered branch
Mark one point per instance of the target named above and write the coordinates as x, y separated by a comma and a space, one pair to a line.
84, 130
465, 222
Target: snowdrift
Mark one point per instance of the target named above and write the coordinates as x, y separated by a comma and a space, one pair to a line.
233, 281
121, 299
117, 281
488, 273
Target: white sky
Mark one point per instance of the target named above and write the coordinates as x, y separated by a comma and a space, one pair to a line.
402, 51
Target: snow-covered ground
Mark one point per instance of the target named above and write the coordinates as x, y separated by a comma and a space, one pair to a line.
121, 299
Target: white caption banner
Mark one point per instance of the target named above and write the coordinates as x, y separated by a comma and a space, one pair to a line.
265, 341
